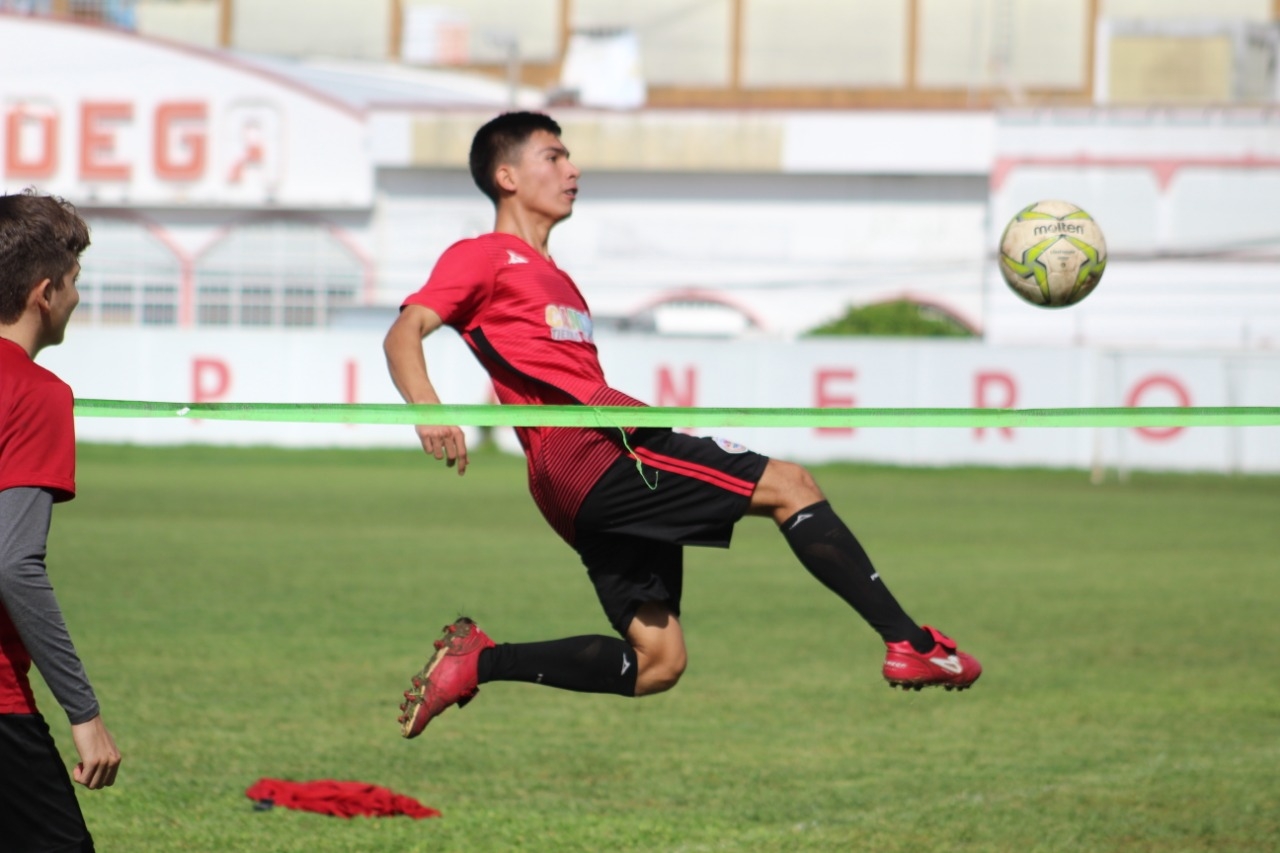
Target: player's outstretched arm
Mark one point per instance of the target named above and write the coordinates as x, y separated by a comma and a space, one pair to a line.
99, 758
408, 368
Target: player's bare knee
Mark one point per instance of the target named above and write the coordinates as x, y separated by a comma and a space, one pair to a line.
785, 489
804, 485
660, 674
659, 678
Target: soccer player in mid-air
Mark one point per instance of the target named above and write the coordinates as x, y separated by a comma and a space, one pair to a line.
41, 239
627, 500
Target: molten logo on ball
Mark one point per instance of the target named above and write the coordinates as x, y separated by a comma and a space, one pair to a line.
1052, 254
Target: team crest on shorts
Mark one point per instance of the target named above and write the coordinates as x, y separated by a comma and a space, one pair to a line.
729, 446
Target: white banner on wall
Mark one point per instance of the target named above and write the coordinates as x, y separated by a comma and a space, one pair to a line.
349, 367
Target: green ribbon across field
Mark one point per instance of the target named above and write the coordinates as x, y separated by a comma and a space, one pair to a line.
679, 416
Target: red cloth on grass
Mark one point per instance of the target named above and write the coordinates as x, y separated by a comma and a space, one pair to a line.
341, 799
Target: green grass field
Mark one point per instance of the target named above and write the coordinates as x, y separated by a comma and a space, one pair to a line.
252, 613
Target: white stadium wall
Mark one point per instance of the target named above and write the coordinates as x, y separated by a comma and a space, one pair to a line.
789, 216
348, 367
211, 180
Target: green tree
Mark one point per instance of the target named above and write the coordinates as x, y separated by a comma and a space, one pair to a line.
897, 318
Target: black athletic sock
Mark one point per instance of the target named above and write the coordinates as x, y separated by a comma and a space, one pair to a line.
589, 664
833, 555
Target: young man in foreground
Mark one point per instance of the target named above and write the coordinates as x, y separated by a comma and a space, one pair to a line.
626, 500
41, 239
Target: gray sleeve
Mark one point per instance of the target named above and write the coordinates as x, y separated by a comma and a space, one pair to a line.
28, 595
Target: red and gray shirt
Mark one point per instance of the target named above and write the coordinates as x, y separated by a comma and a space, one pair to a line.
531, 330
37, 469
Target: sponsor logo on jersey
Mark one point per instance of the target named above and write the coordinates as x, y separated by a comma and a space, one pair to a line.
516, 258
569, 324
729, 446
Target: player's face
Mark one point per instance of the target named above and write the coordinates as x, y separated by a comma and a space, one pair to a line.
546, 182
62, 302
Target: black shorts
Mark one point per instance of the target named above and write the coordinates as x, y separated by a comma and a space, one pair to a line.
38, 806
631, 529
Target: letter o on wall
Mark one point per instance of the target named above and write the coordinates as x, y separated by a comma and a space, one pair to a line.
1159, 382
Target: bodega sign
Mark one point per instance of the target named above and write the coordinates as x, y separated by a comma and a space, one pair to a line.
105, 117
111, 143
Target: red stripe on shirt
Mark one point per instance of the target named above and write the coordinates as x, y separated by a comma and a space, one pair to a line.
699, 472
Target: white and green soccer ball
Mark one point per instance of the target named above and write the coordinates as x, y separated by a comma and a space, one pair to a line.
1052, 254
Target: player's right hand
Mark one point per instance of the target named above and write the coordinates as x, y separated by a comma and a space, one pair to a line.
446, 443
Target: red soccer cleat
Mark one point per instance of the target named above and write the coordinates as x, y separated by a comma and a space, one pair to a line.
945, 665
448, 678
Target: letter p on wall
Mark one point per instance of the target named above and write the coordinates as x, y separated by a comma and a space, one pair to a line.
210, 380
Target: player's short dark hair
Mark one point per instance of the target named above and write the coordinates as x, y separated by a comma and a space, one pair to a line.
41, 236
499, 141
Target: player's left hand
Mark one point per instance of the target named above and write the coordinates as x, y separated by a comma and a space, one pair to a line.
99, 757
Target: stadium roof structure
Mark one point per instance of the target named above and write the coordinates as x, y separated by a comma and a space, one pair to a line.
365, 84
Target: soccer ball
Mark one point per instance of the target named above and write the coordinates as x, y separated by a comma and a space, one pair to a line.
1052, 254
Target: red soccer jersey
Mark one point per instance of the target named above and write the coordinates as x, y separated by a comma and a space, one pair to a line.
37, 448
530, 328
